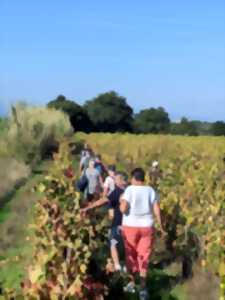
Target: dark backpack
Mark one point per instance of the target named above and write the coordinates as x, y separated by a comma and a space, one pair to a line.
82, 183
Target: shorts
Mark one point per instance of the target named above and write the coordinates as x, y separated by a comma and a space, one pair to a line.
115, 237
138, 243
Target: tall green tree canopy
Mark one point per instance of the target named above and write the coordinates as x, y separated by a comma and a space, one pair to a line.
109, 112
218, 128
78, 117
152, 120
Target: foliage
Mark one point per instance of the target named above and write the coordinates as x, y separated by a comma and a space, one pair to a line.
192, 190
109, 112
192, 199
3, 124
32, 131
16, 237
153, 120
65, 241
218, 128
78, 116
203, 128
185, 127
12, 173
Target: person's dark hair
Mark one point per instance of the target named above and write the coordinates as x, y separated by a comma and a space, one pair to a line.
112, 168
138, 174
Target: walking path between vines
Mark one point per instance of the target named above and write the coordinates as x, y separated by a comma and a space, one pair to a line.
16, 237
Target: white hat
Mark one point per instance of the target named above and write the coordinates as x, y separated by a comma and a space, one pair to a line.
155, 163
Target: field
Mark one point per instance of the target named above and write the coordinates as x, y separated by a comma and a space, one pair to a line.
64, 256
192, 190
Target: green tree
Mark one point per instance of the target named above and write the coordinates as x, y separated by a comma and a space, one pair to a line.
109, 112
184, 127
203, 128
152, 120
218, 128
78, 117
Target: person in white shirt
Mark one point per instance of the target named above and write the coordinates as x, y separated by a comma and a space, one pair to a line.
109, 184
139, 204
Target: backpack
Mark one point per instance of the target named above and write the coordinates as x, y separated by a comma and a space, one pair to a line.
82, 183
85, 162
99, 168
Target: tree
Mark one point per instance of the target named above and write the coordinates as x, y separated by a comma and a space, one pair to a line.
218, 128
78, 117
152, 120
203, 128
109, 112
185, 127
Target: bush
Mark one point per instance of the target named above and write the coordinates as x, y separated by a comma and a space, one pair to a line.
32, 131
11, 173
3, 124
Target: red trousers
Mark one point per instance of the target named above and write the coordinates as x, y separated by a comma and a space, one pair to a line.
138, 243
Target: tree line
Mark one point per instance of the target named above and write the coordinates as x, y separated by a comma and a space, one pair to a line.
110, 112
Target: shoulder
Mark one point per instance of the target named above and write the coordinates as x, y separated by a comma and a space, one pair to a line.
128, 189
127, 193
151, 191
153, 195
107, 179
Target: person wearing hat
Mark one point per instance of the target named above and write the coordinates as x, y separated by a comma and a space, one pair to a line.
155, 174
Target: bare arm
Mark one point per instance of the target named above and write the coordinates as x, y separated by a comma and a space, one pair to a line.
156, 209
95, 204
105, 190
124, 206
101, 180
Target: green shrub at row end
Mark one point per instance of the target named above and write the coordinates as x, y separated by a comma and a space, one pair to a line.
33, 132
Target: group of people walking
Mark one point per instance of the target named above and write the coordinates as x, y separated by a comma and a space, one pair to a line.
132, 205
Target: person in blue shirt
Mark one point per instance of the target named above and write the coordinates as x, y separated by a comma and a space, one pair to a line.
99, 165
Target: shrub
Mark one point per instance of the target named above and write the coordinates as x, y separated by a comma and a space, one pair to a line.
32, 131
11, 173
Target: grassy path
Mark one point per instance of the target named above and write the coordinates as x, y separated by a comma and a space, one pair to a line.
16, 236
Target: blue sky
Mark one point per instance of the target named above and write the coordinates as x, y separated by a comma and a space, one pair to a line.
156, 53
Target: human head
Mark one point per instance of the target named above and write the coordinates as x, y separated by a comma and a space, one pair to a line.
91, 163
88, 153
111, 170
138, 176
121, 179
98, 158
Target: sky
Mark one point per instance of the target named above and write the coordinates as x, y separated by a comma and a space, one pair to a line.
155, 53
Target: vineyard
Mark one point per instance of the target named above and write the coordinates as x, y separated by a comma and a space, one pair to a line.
70, 259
